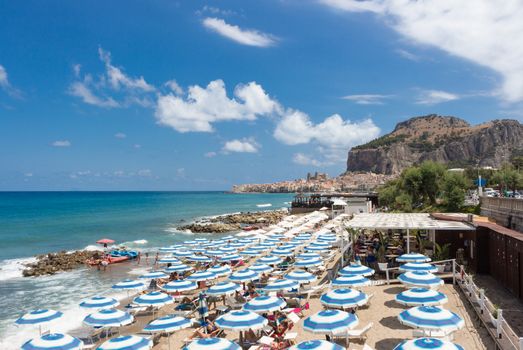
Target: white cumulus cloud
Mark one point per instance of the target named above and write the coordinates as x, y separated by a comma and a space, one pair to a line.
204, 106
248, 37
486, 32
6, 85
241, 146
432, 97
61, 143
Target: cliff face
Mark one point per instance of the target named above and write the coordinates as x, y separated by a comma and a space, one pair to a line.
447, 140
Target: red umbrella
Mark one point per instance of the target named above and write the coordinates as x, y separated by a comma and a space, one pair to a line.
105, 241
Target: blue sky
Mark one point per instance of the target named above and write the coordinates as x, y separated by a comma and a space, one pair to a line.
188, 95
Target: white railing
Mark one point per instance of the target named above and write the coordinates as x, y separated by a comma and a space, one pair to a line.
503, 334
453, 261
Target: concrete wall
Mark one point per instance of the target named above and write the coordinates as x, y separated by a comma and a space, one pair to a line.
506, 212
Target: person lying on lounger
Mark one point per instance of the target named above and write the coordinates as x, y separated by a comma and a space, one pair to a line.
208, 331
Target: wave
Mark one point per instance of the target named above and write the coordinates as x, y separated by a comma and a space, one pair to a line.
140, 241
12, 268
264, 205
175, 231
93, 248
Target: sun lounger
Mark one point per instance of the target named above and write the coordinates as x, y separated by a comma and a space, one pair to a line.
433, 334
354, 333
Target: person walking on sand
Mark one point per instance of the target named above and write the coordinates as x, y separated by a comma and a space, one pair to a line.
156, 259
138, 258
147, 258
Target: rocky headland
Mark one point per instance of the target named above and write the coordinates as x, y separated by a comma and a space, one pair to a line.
234, 222
52, 263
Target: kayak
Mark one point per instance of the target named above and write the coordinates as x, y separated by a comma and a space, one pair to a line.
114, 257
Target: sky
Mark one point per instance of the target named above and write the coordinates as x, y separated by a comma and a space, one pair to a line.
201, 95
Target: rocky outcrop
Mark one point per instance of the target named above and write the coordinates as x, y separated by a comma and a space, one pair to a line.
205, 227
234, 222
52, 263
448, 140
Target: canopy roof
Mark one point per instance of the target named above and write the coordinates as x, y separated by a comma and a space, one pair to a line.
403, 221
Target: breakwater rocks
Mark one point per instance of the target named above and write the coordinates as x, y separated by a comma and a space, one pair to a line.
235, 222
52, 263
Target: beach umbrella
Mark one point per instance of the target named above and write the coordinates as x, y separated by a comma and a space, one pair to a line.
276, 236
241, 320
237, 245
421, 296
127, 342
98, 302
203, 308
228, 238
272, 241
169, 260
244, 275
309, 256
350, 281
199, 258
321, 244
330, 321
152, 275
223, 288
302, 237
105, 241
108, 318
431, 318
420, 279
300, 276
309, 262
344, 298
214, 252
316, 345
282, 284
167, 324
315, 248
427, 343
327, 238
202, 276
178, 268
193, 242
251, 252
129, 284
287, 246
261, 268
282, 252
264, 303
230, 257
268, 244
201, 240
270, 260
167, 249
220, 270
228, 249
356, 269
260, 247
200, 249
53, 341
246, 240
39, 317
179, 286
413, 257
418, 266
155, 299
182, 253
212, 344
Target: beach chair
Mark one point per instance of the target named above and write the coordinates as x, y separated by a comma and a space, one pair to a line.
232, 303
354, 333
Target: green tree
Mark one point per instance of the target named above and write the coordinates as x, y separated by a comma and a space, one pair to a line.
508, 178
431, 175
454, 187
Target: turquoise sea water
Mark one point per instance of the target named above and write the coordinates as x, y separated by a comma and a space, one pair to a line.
39, 222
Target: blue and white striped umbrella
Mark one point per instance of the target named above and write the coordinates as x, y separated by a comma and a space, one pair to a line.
427, 343
169, 260
39, 316
330, 321
321, 244
179, 286
264, 303
431, 318
168, 324
294, 244
201, 240
282, 252
327, 238
268, 244
282, 284
202, 276
228, 249
220, 270
156, 299
223, 288
316, 345
108, 318
241, 320
168, 249
127, 342
129, 284
54, 341
350, 281
421, 296
199, 258
208, 244
98, 302
300, 276
230, 257
212, 344
309, 256
413, 257
418, 266
303, 237
152, 275
344, 298
356, 269
245, 241
420, 279
244, 275
215, 252
273, 241
178, 268
251, 252
260, 268
309, 262
199, 249
270, 260
193, 242
237, 245
288, 246
182, 253
276, 236
260, 248
315, 248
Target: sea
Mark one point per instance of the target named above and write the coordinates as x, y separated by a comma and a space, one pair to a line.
33, 223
